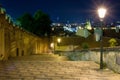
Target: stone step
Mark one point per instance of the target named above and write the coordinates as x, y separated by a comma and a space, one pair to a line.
64, 58
41, 57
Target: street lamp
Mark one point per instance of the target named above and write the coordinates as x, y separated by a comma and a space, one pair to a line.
101, 13
58, 40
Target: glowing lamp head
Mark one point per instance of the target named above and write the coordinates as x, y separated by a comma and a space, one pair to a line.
52, 45
102, 12
59, 40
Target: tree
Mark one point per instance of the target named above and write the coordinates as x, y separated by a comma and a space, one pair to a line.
42, 23
26, 22
38, 24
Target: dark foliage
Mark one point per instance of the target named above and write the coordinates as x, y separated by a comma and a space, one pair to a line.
38, 24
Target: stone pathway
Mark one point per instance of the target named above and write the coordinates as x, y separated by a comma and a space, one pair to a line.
41, 68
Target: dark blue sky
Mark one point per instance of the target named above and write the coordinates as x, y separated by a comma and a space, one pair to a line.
63, 10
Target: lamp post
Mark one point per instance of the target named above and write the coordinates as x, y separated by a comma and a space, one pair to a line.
101, 14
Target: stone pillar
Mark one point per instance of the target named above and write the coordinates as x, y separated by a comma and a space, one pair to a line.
13, 43
36, 47
7, 42
2, 45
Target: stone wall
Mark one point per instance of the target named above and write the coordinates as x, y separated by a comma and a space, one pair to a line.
110, 57
15, 41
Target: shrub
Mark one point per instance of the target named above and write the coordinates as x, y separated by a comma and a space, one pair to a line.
113, 42
85, 45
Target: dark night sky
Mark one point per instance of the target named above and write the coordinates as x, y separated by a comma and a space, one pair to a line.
63, 10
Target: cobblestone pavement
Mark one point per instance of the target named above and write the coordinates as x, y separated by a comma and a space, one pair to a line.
41, 68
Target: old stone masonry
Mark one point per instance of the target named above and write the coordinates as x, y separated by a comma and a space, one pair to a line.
53, 67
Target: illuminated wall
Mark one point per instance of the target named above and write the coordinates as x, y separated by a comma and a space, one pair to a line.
15, 41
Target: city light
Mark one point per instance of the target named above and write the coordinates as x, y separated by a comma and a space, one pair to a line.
59, 40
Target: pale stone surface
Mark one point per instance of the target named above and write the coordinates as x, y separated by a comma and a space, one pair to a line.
49, 67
